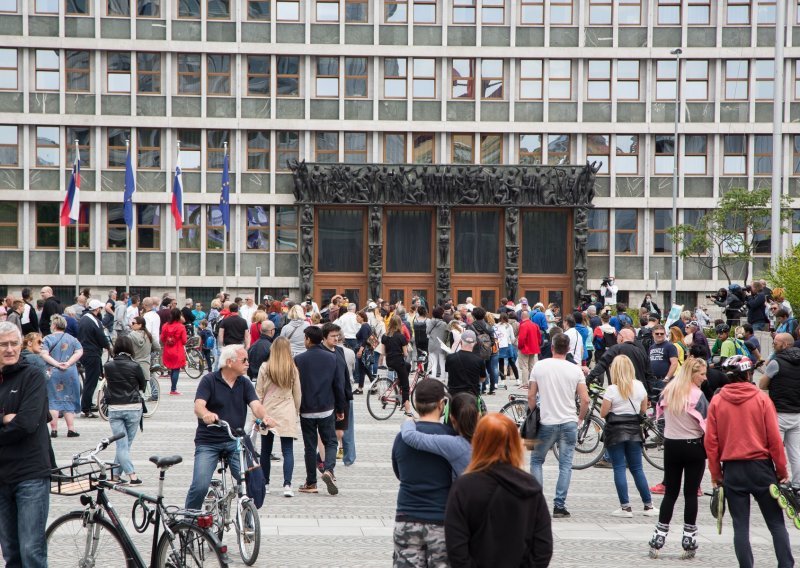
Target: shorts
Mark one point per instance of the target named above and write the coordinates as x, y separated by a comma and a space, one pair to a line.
343, 424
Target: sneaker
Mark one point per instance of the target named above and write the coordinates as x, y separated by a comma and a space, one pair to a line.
89, 415
340, 454
54, 433
358, 391
308, 488
624, 512
604, 464
330, 483
287, 491
136, 481
72, 434
650, 512
174, 393
658, 489
274, 457
560, 513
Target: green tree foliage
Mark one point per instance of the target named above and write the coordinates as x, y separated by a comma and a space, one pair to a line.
786, 274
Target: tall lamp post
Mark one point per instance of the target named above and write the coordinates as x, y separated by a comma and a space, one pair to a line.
673, 293
777, 134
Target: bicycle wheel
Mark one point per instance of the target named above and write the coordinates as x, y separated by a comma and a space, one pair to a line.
413, 380
73, 542
653, 446
151, 397
191, 547
102, 404
383, 398
517, 410
589, 448
194, 364
248, 532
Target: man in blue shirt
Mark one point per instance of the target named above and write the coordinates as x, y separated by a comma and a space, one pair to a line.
539, 318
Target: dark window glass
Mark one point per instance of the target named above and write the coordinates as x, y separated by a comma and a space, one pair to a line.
477, 245
408, 241
341, 240
544, 242
148, 226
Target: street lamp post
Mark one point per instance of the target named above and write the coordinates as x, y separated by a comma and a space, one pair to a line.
674, 269
777, 134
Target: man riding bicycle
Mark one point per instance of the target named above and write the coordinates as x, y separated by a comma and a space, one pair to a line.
222, 395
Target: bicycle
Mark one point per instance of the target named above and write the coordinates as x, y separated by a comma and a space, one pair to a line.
151, 395
96, 536
383, 396
195, 361
222, 493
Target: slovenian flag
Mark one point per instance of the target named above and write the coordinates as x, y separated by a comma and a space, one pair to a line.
177, 198
130, 188
70, 211
224, 198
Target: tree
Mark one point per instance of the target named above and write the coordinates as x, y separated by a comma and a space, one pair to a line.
786, 274
731, 233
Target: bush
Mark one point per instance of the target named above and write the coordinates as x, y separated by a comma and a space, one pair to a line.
786, 274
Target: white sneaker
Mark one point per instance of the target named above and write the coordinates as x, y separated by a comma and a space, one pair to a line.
266, 490
651, 512
287, 491
625, 513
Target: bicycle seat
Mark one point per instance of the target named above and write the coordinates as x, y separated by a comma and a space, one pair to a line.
166, 462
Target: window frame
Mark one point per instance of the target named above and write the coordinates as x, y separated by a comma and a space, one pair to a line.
466, 7
250, 228
349, 77
525, 80
285, 227
454, 138
142, 73
10, 226
287, 4
483, 140
294, 76
84, 149
119, 226
140, 3
664, 77
255, 151
77, 72
734, 4
141, 147
737, 80
766, 155
214, 153
326, 151
692, 6
625, 80
414, 146
253, 75
402, 77
662, 233
197, 75
280, 150
56, 146
634, 153
402, 136
352, 152
635, 232
191, 147
191, 16
386, 15
333, 79
492, 6
526, 157
559, 79
760, 80
15, 145
565, 5
319, 3
534, 6
191, 226
46, 225
594, 5
486, 80
606, 79
689, 153
669, 5
140, 226
726, 155
115, 148
110, 71
211, 75
84, 229
423, 79
15, 69
211, 244
552, 155
426, 3
110, 14
603, 157
601, 231
657, 171
250, 18
365, 11
48, 70
691, 79
469, 80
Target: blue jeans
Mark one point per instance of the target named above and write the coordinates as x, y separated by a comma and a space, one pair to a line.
206, 457
493, 370
23, 521
349, 438
630, 452
327, 432
759, 326
566, 436
173, 375
124, 422
287, 449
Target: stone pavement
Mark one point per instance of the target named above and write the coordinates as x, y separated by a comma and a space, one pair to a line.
354, 529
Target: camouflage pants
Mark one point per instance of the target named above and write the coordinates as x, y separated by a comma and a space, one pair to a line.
419, 545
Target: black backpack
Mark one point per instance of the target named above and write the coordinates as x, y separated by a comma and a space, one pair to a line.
646, 337
484, 347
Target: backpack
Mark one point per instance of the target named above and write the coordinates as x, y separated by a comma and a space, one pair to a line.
741, 348
624, 319
646, 337
215, 326
609, 339
484, 347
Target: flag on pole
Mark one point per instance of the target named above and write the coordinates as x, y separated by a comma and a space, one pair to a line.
70, 211
177, 198
130, 189
224, 198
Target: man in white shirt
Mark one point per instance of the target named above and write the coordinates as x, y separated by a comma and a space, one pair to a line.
557, 382
132, 311
247, 309
576, 344
151, 320
350, 326
469, 305
609, 292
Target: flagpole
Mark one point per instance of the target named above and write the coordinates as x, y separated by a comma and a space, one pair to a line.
225, 238
128, 240
178, 243
77, 236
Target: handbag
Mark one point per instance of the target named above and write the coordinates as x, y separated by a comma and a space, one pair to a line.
529, 428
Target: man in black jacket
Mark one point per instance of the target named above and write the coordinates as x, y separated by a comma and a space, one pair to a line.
333, 341
757, 306
259, 351
24, 456
52, 306
93, 340
627, 346
30, 322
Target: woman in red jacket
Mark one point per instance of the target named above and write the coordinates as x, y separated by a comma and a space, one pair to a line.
173, 342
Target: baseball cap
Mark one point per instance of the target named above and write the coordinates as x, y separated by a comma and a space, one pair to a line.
723, 328
372, 306
523, 301
468, 337
95, 304
693, 323
539, 305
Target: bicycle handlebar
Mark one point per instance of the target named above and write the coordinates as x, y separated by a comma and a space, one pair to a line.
83, 458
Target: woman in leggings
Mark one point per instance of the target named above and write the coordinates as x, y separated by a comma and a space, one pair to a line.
395, 350
684, 407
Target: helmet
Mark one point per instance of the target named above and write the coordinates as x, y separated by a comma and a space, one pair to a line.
738, 363
722, 328
734, 287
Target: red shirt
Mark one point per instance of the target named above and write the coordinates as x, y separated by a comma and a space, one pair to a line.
529, 338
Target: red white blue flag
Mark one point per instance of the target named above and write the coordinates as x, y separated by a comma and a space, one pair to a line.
70, 211
177, 198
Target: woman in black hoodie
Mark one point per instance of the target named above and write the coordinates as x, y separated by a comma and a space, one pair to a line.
496, 514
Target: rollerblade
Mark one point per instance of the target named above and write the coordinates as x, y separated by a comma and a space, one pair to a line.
689, 541
788, 500
658, 539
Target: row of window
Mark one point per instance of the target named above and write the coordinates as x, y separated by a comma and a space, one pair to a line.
620, 153
458, 12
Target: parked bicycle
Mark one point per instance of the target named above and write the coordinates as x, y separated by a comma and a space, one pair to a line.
383, 396
229, 504
195, 361
95, 536
151, 395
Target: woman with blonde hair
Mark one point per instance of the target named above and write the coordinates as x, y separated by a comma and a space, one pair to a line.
278, 388
293, 330
623, 401
255, 327
684, 408
496, 514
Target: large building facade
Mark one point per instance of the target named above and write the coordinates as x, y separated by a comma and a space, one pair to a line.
458, 82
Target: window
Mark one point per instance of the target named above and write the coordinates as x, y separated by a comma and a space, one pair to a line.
666, 80
83, 229
476, 242
257, 227
47, 6
148, 226
258, 75
394, 148
119, 8
492, 78
625, 231
424, 11
530, 79
356, 11
258, 10
355, 147
119, 72
395, 11
765, 79
561, 12
148, 148
188, 73
699, 13
116, 229
215, 229
491, 148
696, 80
665, 154
463, 11
463, 150
762, 162
215, 148
218, 74
559, 84
190, 148
189, 9
599, 88
77, 7
148, 73
326, 147
629, 12
116, 146
258, 150
493, 12
394, 77
327, 10
558, 149
340, 240
599, 12
327, 76
692, 217
9, 145
696, 154
47, 222
84, 137
218, 10
797, 76
423, 148
77, 69
662, 221
408, 241
736, 73
795, 153
598, 149
356, 75
190, 235
288, 148
47, 147
463, 78
738, 12
766, 12
288, 78
148, 8
288, 10
8, 6
9, 224
424, 78
597, 242
532, 12
628, 80
9, 67
47, 70
734, 161
627, 160
286, 229
530, 149
669, 12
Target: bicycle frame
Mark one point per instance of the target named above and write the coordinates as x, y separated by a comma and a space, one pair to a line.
225, 470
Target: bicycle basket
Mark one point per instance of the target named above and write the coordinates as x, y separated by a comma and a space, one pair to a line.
75, 479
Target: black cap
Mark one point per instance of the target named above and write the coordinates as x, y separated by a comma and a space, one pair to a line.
722, 328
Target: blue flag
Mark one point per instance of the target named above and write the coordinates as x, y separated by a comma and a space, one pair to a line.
130, 188
225, 196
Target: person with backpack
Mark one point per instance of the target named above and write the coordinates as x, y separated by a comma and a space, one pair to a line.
730, 346
604, 336
486, 347
784, 322
622, 318
645, 335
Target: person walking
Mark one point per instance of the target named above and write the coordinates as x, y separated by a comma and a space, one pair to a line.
396, 350
623, 401
505, 343
466, 371
529, 341
143, 349
62, 352
496, 513
364, 352
173, 342
93, 340
483, 326
436, 329
684, 408
259, 351
294, 329
278, 388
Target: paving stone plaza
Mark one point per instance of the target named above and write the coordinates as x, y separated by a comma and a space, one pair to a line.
354, 529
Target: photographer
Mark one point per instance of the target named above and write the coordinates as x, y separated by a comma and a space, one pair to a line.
732, 300
608, 291
757, 306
